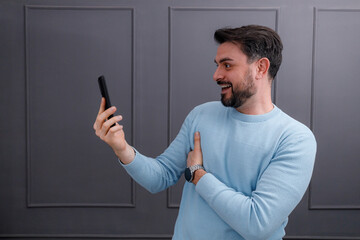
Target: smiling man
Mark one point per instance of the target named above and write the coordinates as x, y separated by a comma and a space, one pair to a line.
253, 162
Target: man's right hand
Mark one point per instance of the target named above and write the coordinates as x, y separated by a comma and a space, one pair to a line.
113, 136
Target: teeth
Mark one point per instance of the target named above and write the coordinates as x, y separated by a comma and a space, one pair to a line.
226, 86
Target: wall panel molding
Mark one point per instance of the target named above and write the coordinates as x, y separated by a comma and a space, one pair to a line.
171, 89
316, 17
30, 202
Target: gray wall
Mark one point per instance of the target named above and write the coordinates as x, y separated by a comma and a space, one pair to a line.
57, 180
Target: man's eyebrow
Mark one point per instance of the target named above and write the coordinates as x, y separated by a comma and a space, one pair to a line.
224, 60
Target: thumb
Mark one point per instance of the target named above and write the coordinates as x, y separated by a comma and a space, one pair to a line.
197, 145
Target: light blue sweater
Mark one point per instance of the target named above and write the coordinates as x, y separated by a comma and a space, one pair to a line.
258, 168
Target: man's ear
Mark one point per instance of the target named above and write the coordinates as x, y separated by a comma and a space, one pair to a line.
262, 68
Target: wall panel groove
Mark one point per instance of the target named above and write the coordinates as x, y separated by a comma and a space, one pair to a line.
173, 85
319, 70
55, 9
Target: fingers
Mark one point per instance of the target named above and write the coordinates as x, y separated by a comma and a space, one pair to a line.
99, 119
102, 128
197, 142
107, 125
106, 114
195, 156
116, 128
102, 116
102, 106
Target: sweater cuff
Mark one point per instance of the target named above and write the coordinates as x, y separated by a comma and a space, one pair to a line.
133, 166
207, 186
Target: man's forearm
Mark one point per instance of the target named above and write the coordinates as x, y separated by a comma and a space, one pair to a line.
126, 156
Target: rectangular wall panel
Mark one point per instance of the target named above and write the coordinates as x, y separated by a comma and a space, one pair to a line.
336, 100
191, 60
67, 49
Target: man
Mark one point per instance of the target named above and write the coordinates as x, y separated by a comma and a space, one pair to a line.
253, 162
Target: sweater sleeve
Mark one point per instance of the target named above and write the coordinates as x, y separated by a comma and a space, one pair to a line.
279, 189
157, 174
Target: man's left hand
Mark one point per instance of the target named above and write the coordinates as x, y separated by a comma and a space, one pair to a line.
195, 158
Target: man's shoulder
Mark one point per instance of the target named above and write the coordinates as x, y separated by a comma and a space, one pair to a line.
205, 110
293, 127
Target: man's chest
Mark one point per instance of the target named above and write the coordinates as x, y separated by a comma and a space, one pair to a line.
236, 156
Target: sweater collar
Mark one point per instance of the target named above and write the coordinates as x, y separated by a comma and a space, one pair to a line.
254, 118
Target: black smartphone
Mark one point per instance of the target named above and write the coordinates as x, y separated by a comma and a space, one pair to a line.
105, 94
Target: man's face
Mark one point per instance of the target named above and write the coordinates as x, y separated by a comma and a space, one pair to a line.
233, 75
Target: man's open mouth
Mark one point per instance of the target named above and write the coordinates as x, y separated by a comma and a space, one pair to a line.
224, 86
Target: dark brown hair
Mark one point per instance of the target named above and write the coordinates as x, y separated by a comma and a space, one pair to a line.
255, 42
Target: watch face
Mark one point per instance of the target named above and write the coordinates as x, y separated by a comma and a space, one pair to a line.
187, 174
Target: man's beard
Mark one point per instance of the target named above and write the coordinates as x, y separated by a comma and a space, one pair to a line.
240, 94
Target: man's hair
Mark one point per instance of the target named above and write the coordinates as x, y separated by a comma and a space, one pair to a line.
255, 42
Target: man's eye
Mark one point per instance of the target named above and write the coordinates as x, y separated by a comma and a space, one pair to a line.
227, 65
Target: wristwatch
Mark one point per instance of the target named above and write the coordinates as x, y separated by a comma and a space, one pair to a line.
189, 172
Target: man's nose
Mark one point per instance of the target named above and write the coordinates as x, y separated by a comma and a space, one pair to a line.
217, 75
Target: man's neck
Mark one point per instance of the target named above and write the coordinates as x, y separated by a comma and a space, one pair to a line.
257, 109
258, 104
